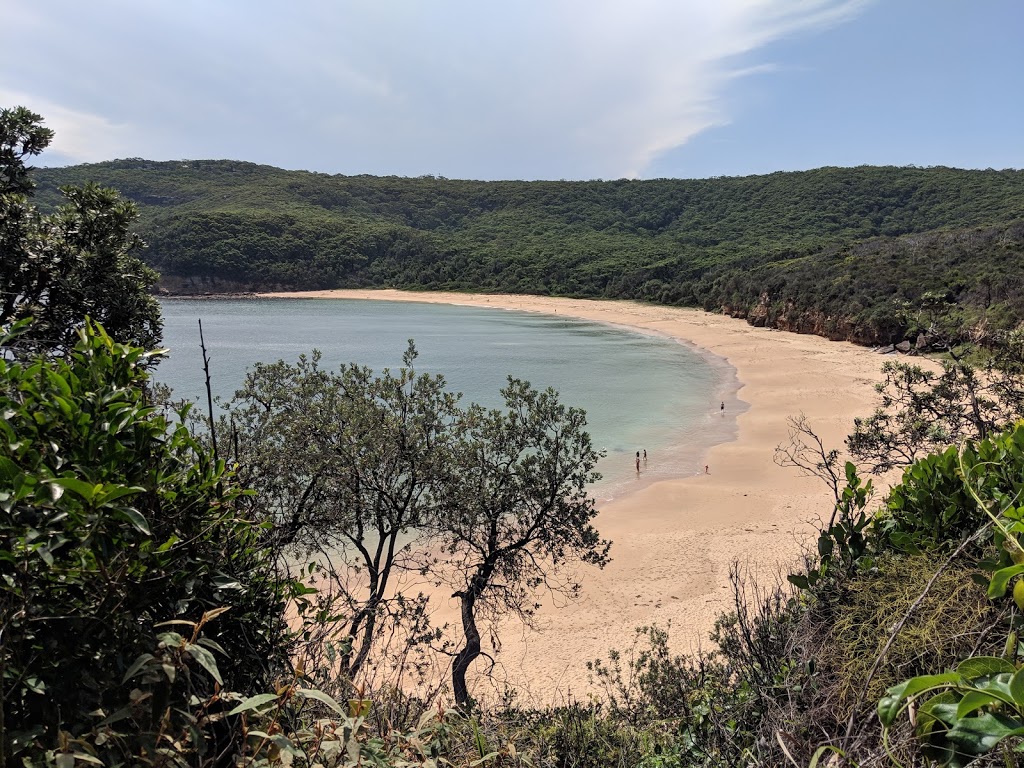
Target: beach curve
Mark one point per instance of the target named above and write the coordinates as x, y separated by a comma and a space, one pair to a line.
675, 540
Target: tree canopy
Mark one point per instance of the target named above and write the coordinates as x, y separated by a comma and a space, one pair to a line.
833, 251
77, 261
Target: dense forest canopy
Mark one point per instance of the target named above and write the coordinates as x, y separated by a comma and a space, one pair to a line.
833, 251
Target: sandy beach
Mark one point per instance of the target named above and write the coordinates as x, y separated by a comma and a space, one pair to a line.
674, 541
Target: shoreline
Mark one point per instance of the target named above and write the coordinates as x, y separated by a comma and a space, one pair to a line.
674, 540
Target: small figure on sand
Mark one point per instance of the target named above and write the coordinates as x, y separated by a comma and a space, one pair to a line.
706, 470
722, 408
638, 462
645, 455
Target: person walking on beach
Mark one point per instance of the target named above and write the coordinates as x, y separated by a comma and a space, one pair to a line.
722, 409
706, 470
638, 462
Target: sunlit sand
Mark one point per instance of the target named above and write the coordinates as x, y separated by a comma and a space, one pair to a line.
674, 540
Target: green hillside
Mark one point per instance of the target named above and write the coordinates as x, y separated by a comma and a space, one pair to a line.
831, 251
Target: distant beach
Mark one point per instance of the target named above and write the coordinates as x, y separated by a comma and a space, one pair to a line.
674, 541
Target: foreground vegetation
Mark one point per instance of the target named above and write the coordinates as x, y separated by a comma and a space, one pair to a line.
158, 603
834, 251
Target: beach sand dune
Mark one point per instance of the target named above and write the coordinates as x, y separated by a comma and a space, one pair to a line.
674, 541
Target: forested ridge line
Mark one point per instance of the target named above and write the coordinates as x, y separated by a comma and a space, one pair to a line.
832, 251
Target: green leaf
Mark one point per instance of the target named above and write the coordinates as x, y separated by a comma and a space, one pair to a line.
905, 543
86, 490
796, 579
117, 492
254, 702
940, 708
981, 666
312, 693
978, 735
87, 758
890, 705
8, 471
973, 701
57, 381
1001, 578
136, 519
205, 658
212, 644
284, 744
825, 545
1017, 688
136, 666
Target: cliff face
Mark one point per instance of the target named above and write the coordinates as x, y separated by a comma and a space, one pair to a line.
786, 316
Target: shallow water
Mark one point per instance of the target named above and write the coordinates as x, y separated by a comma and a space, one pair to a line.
640, 391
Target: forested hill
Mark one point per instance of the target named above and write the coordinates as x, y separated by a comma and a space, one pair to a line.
831, 251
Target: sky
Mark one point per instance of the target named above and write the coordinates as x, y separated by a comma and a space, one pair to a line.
524, 89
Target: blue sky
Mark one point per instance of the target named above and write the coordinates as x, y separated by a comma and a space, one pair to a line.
575, 89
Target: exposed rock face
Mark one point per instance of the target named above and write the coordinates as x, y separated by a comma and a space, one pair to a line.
786, 316
175, 285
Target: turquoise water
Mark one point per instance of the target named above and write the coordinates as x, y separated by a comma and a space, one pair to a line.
640, 392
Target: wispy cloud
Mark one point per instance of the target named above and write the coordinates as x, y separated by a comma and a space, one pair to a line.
80, 137
535, 89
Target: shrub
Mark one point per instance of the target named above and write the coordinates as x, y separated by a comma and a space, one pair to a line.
114, 519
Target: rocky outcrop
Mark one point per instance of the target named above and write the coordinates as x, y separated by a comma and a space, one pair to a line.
787, 316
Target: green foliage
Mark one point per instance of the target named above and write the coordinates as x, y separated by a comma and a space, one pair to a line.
834, 251
893, 596
112, 520
842, 544
964, 714
347, 465
930, 508
923, 411
948, 623
722, 707
936, 504
516, 510
78, 261
970, 711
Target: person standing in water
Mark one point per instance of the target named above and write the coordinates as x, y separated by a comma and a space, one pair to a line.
722, 408
645, 455
638, 462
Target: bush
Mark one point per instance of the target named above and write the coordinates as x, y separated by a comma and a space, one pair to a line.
114, 519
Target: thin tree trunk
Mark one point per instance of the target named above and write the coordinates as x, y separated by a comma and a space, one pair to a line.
469, 651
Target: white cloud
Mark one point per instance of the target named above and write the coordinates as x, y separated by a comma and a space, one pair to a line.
80, 137
533, 89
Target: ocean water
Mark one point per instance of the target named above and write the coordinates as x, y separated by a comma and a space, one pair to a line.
640, 391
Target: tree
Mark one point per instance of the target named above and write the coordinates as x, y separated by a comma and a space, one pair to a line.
113, 520
346, 465
75, 263
923, 411
516, 511
805, 451
375, 473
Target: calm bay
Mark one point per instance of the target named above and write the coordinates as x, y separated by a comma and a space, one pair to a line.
640, 391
